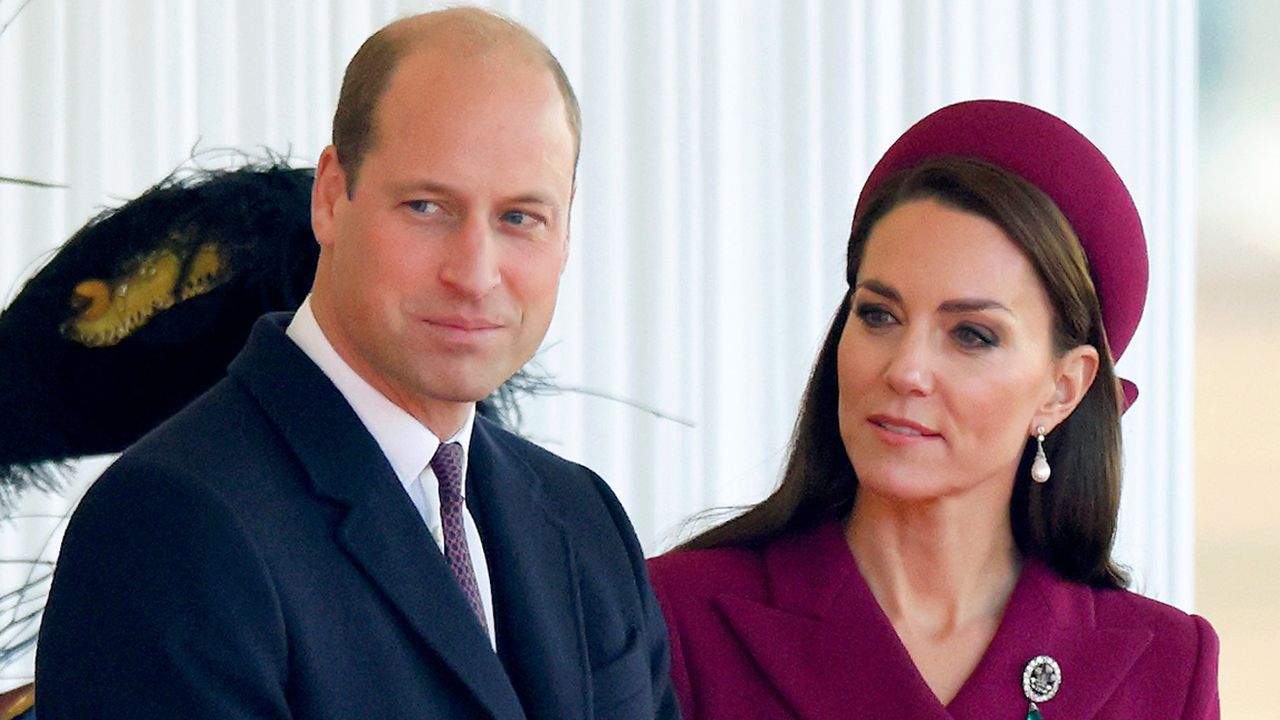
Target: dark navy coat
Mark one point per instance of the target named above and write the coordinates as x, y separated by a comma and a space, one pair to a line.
256, 557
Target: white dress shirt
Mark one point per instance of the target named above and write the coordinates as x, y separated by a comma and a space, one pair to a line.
407, 443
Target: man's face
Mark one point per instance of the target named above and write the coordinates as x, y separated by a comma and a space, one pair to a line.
438, 277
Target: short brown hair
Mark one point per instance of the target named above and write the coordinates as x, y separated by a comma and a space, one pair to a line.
370, 70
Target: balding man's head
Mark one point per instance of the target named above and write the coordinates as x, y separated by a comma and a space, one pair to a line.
468, 32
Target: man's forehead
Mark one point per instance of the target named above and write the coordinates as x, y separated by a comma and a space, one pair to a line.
465, 50
457, 22
439, 85
466, 35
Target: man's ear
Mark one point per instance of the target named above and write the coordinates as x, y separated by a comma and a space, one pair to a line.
568, 229
328, 192
1074, 374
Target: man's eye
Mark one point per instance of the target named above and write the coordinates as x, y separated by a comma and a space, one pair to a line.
519, 218
423, 207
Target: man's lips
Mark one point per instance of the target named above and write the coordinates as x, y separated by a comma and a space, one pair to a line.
902, 427
463, 323
462, 330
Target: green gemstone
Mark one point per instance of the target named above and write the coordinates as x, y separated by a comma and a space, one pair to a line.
1033, 713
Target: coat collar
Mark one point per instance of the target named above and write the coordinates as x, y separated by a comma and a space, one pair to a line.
345, 466
824, 643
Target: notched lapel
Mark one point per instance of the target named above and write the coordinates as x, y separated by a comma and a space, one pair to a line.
826, 667
819, 642
1094, 664
377, 537
1050, 616
540, 634
345, 467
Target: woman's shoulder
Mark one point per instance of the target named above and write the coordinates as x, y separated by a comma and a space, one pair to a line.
1181, 649
691, 587
702, 573
752, 571
1170, 627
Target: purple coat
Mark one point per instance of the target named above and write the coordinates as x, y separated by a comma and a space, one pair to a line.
792, 631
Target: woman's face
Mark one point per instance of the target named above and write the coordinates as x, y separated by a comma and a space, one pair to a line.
946, 358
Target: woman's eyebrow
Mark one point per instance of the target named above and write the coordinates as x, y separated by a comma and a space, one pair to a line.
966, 305
880, 288
959, 305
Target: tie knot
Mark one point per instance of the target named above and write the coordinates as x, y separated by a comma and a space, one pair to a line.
447, 465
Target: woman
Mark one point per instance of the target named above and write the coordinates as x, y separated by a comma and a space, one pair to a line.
940, 545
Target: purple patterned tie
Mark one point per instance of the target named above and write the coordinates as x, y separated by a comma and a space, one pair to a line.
447, 465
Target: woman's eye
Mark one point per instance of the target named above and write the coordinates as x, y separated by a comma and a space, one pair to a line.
970, 336
874, 316
423, 207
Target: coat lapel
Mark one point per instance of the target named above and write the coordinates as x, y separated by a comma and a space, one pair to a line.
822, 642
1050, 616
380, 527
540, 635
825, 645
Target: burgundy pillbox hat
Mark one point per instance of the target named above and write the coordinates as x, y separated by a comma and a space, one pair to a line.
1063, 164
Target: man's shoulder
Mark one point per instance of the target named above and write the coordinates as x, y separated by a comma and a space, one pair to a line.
557, 473
222, 449
223, 423
579, 499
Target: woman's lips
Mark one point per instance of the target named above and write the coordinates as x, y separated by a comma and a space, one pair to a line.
900, 430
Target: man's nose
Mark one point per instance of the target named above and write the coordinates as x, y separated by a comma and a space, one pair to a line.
471, 263
911, 367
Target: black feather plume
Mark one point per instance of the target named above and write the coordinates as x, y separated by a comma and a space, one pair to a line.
67, 390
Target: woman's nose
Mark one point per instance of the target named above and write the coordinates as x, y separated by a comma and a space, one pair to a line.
911, 367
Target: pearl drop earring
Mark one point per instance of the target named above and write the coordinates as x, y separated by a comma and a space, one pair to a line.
1040, 467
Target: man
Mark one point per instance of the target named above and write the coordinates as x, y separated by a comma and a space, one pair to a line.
299, 542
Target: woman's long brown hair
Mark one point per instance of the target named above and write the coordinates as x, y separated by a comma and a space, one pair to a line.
1070, 522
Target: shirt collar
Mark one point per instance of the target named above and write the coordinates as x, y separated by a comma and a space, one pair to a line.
407, 443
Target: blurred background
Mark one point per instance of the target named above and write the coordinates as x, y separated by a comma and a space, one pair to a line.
1237, 417
724, 144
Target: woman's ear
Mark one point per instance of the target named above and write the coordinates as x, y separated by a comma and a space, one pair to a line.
1074, 374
